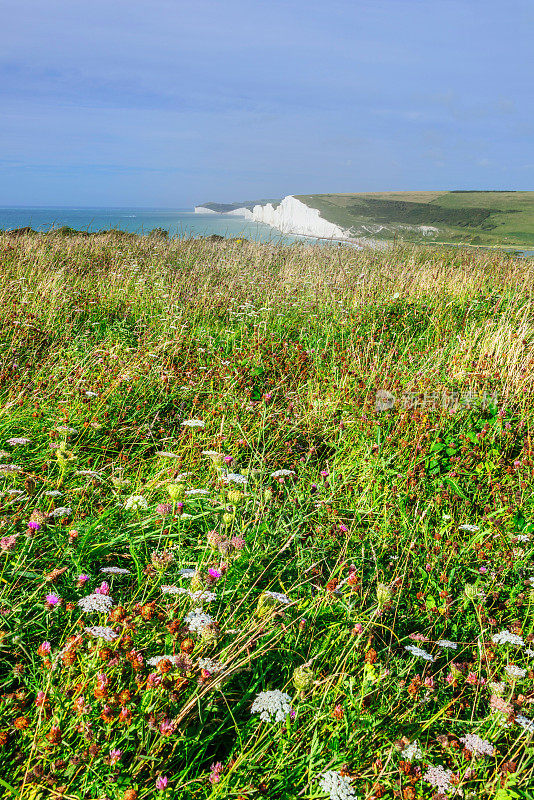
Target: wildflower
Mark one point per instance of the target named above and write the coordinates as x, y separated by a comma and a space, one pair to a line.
469, 528
88, 473
65, 429
166, 454
108, 634
197, 621
278, 596
54, 493
282, 473
61, 511
526, 723
412, 752
211, 666
163, 509
474, 592
202, 596
103, 588
115, 571
448, 645
166, 589
497, 688
234, 477
383, 594
476, 745
237, 542
155, 660
418, 651
272, 705
216, 770
214, 573
193, 423
135, 502
162, 782
81, 581
336, 785
90, 394
439, 778
33, 525
8, 543
114, 756
10, 468
303, 678
187, 573
18, 441
52, 600
196, 492
100, 603
515, 672
166, 727
44, 649
505, 637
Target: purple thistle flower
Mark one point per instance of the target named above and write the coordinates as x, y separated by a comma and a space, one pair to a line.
161, 782
214, 573
34, 526
52, 600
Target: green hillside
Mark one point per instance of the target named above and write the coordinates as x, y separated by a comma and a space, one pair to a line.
500, 217
224, 208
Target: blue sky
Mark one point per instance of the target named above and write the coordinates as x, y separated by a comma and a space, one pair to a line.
174, 102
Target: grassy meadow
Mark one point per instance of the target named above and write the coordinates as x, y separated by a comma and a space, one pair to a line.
267, 523
470, 217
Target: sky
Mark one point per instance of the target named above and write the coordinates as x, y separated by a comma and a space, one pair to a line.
171, 103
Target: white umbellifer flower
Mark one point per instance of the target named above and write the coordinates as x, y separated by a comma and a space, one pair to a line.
61, 511
135, 502
418, 651
173, 590
469, 528
202, 596
234, 477
523, 538
282, 598
187, 573
182, 477
282, 473
445, 643
505, 637
21, 440
54, 493
439, 778
89, 393
336, 785
529, 652
10, 468
65, 429
115, 571
213, 667
194, 492
153, 662
88, 473
497, 687
515, 672
197, 620
166, 454
476, 745
531, 580
96, 602
272, 705
193, 423
108, 634
412, 752
525, 723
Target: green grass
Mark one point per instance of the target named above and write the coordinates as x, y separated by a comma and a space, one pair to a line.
108, 346
490, 218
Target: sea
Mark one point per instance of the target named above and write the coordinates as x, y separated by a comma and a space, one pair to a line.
178, 222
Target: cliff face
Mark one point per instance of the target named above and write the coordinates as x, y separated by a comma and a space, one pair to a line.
293, 216
289, 216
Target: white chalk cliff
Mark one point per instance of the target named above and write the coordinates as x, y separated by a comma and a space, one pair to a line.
291, 216
203, 210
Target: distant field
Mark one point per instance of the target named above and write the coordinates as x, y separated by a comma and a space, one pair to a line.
504, 218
